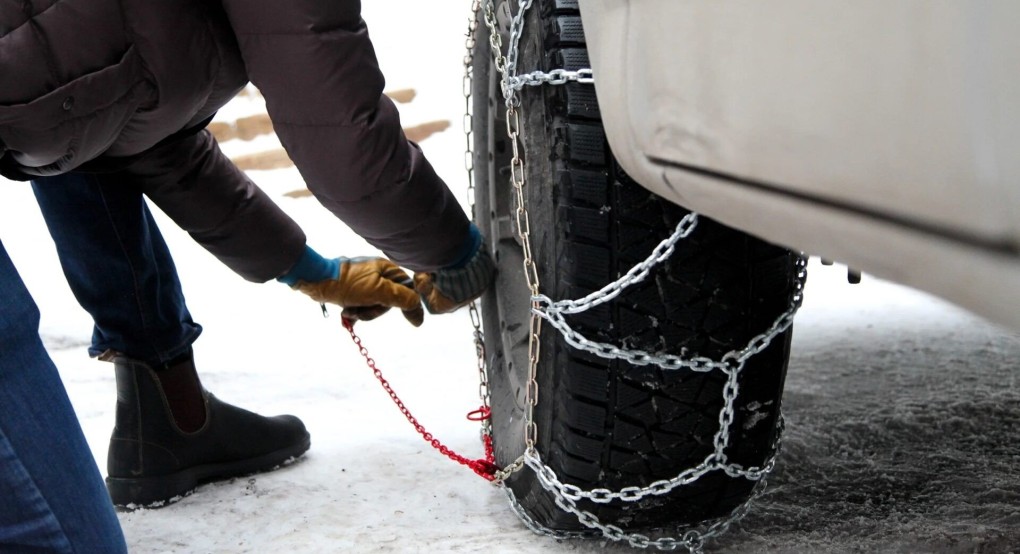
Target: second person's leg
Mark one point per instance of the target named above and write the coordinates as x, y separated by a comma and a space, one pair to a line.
51, 494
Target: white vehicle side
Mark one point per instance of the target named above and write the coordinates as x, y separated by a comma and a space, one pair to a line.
885, 135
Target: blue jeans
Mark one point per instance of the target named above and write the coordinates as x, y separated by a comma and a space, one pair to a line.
52, 497
118, 266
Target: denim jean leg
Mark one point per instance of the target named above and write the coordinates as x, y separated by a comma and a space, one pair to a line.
118, 265
52, 496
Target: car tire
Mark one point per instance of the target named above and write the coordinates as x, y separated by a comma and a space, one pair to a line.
607, 423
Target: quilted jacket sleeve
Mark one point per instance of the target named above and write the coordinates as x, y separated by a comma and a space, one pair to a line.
316, 67
202, 191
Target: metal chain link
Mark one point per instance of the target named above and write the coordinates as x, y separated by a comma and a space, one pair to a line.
495, 43
554, 77
521, 220
554, 313
484, 393
566, 496
470, 41
636, 274
692, 539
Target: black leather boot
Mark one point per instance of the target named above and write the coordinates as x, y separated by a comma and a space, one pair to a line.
171, 435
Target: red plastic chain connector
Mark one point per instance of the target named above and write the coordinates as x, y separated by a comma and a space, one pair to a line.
483, 413
485, 467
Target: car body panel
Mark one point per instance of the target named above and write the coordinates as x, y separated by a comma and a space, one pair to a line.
885, 135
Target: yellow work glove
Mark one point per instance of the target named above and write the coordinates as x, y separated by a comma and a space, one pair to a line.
367, 288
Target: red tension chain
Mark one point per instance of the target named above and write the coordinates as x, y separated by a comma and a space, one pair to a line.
485, 467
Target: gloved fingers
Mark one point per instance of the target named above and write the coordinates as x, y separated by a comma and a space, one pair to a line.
376, 281
415, 316
389, 270
376, 286
363, 313
435, 300
394, 294
367, 288
398, 275
423, 283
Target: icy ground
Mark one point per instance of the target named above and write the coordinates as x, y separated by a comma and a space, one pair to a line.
903, 412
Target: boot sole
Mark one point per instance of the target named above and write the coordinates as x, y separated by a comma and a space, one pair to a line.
162, 490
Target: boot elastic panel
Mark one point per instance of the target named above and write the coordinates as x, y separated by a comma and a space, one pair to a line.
184, 394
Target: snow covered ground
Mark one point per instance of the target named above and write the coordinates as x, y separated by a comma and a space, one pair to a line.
903, 412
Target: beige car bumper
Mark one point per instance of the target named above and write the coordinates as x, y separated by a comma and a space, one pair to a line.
882, 134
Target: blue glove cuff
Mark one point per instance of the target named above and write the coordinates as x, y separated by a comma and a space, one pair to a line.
312, 267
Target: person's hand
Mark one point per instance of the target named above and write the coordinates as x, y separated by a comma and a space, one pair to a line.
448, 290
367, 288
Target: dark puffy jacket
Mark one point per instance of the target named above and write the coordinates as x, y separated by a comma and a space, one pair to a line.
125, 86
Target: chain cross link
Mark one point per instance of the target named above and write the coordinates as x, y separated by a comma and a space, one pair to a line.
636, 274
554, 313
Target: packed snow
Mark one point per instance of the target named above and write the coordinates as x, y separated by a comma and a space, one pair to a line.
903, 412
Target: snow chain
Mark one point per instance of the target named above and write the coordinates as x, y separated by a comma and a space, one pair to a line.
553, 312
